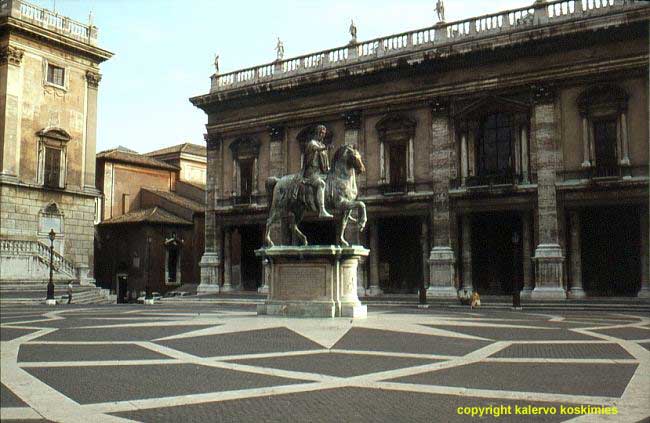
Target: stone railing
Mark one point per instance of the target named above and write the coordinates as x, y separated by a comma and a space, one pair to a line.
16, 247
24, 11
441, 34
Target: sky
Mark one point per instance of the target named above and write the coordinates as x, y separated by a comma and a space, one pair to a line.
164, 50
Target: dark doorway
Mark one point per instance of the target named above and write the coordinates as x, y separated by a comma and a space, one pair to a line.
610, 244
251, 265
400, 255
496, 253
122, 288
319, 232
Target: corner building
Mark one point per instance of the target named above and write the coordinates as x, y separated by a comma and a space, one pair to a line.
49, 81
504, 152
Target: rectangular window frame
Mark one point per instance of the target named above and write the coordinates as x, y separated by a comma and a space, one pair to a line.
47, 65
53, 146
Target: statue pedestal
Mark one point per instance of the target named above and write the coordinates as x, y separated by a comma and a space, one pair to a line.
313, 281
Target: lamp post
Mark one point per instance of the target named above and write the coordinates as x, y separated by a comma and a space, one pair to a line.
50, 284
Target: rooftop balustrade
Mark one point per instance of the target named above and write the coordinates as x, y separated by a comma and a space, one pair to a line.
442, 34
51, 20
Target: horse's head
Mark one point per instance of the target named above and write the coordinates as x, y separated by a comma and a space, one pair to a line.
350, 157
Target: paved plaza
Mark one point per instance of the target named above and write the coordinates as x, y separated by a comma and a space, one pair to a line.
219, 363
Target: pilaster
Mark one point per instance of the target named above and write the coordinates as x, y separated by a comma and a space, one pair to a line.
441, 257
527, 248
10, 131
576, 290
90, 146
227, 262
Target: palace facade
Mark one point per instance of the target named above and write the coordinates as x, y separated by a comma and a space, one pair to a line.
49, 80
503, 152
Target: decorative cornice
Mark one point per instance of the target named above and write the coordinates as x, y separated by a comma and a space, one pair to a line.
352, 119
93, 78
276, 132
542, 94
212, 141
11, 55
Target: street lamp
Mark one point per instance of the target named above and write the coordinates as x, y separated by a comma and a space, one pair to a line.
50, 284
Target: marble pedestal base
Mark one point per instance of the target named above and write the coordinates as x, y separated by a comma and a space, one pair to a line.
313, 281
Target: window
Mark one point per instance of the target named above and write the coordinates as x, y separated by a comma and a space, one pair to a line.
397, 167
246, 177
55, 75
245, 152
396, 153
52, 175
494, 151
52, 146
605, 147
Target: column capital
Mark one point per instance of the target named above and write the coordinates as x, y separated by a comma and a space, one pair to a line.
542, 94
213, 140
439, 106
352, 119
93, 78
11, 55
277, 132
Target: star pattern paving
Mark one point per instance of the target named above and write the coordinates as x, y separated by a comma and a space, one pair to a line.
186, 362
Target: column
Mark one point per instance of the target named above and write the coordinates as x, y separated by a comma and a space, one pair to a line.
463, 157
527, 247
625, 147
441, 257
90, 145
468, 284
352, 121
576, 290
586, 151
424, 242
227, 262
374, 288
524, 154
211, 259
549, 260
645, 254
10, 134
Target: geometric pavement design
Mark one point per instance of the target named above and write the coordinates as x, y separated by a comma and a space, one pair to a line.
194, 363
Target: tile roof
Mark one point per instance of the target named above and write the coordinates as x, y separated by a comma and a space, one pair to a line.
175, 198
150, 215
198, 150
125, 155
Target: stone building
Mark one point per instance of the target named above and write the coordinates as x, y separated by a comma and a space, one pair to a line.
504, 152
49, 79
150, 233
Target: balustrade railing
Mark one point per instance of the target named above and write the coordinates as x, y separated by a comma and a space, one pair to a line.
45, 18
38, 249
441, 34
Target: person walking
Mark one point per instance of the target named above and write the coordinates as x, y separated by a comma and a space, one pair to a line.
70, 293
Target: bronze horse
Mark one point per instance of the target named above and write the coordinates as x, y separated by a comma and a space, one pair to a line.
290, 195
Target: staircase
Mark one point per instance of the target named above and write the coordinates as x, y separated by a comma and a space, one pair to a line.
25, 271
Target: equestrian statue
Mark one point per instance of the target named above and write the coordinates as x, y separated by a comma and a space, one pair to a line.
319, 187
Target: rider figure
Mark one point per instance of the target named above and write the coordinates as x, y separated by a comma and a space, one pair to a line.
316, 162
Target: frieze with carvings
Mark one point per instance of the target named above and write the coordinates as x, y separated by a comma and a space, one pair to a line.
11, 55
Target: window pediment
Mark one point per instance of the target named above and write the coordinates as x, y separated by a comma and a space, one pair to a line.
602, 99
396, 128
490, 105
54, 133
245, 147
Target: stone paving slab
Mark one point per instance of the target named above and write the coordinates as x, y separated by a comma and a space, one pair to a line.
120, 334
391, 341
77, 322
626, 333
247, 342
645, 345
43, 352
356, 405
579, 351
607, 380
9, 399
336, 364
516, 334
9, 334
94, 384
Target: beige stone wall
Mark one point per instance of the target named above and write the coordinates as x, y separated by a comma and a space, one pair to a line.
19, 216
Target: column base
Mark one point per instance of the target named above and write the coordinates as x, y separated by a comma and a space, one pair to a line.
205, 288
575, 293
264, 289
644, 292
373, 291
150, 301
442, 292
361, 291
548, 294
228, 288
526, 292
50, 302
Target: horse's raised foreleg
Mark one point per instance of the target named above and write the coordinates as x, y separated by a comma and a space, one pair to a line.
343, 224
361, 214
269, 223
302, 239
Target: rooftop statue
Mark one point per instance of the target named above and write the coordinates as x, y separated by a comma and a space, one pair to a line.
440, 10
318, 186
216, 63
353, 32
279, 48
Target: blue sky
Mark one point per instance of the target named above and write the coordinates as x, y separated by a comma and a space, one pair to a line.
164, 50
